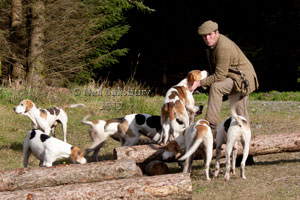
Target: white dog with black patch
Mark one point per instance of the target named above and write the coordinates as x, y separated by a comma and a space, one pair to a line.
45, 119
232, 130
127, 130
48, 149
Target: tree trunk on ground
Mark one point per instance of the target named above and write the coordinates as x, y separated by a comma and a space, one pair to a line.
171, 186
36, 60
260, 145
139, 153
67, 174
269, 144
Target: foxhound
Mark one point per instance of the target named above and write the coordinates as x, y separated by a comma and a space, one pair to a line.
179, 105
232, 130
127, 130
45, 119
195, 135
48, 149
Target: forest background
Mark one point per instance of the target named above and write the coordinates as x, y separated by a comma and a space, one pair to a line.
62, 43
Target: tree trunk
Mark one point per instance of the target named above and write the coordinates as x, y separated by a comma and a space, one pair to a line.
260, 145
171, 186
275, 143
18, 71
139, 153
67, 174
16, 13
0, 66
35, 59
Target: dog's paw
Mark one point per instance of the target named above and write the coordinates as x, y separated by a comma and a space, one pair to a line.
216, 174
232, 171
227, 177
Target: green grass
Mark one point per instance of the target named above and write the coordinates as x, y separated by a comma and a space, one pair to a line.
272, 177
276, 96
263, 96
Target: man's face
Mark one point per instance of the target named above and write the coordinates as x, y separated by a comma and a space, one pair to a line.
210, 39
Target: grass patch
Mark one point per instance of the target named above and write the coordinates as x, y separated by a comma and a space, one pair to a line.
272, 177
261, 96
275, 96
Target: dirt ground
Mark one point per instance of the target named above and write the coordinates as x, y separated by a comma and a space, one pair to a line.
273, 176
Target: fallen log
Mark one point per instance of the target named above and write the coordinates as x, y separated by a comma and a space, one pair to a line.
260, 145
275, 143
67, 174
139, 153
170, 186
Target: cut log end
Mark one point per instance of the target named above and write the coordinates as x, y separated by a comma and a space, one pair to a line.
156, 167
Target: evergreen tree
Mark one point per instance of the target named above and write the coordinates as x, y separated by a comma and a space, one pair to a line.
68, 40
109, 25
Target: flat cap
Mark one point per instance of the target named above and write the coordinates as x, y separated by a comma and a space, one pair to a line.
207, 27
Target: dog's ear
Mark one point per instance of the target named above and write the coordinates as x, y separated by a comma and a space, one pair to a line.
177, 148
75, 152
173, 146
193, 76
28, 105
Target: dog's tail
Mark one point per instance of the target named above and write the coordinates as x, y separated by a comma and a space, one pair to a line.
73, 105
240, 119
85, 121
192, 150
201, 131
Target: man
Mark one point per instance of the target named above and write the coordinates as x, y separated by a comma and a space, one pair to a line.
231, 73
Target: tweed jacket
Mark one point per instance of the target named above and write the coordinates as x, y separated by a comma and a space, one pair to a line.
226, 59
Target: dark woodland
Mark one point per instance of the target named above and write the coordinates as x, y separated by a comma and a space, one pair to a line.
155, 42
164, 45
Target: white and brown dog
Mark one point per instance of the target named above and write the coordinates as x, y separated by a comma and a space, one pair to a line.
45, 119
232, 130
195, 135
179, 105
127, 130
48, 149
